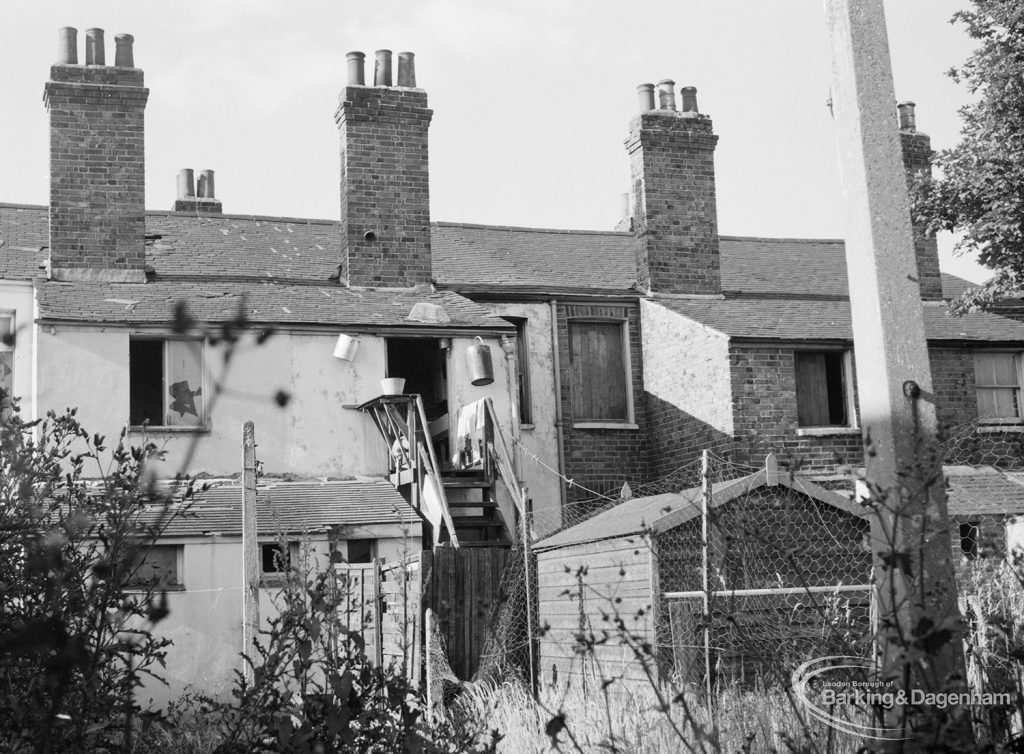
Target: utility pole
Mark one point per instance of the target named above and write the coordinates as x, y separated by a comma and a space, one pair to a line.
918, 643
250, 546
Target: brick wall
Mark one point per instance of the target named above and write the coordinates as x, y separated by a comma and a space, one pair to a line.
97, 172
765, 414
674, 208
602, 459
384, 186
687, 388
917, 153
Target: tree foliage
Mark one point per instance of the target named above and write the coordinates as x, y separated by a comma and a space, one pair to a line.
981, 189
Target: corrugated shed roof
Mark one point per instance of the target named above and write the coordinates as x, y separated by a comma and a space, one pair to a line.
264, 302
295, 507
811, 319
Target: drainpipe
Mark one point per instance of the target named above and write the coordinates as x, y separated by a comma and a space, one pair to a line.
558, 402
508, 345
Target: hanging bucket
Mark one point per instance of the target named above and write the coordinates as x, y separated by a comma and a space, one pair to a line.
346, 346
392, 385
481, 370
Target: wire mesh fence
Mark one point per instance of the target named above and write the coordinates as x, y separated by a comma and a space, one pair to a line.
751, 570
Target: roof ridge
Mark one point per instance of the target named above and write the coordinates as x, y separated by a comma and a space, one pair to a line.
770, 239
517, 228
240, 216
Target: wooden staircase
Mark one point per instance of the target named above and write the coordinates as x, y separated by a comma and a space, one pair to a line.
480, 506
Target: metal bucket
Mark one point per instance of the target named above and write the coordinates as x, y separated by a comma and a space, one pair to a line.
346, 347
481, 369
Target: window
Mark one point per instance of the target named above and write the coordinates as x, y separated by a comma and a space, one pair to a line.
361, 550
276, 558
822, 398
597, 363
166, 383
522, 370
156, 566
7, 354
997, 379
969, 541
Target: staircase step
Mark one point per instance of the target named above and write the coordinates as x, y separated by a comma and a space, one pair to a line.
477, 480
472, 504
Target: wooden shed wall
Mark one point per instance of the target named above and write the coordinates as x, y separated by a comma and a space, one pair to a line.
578, 585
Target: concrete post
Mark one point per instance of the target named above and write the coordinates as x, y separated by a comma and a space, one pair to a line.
250, 547
910, 534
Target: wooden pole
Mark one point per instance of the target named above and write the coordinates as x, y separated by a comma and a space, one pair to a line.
910, 531
250, 546
705, 505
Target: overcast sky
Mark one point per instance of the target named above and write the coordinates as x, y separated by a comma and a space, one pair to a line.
532, 99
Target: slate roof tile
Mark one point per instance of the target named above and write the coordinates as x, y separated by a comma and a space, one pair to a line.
294, 508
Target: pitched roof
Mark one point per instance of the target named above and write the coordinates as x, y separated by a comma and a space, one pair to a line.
501, 257
984, 491
264, 302
287, 268
660, 513
295, 508
813, 319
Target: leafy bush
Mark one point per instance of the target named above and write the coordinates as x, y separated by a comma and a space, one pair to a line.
76, 619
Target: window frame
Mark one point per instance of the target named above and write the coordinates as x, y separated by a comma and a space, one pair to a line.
850, 425
10, 348
524, 389
294, 559
1018, 363
204, 425
178, 585
629, 422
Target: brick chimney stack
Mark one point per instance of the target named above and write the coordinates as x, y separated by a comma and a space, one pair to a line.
917, 154
385, 197
97, 161
675, 216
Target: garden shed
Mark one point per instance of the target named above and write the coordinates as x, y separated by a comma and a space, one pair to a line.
787, 563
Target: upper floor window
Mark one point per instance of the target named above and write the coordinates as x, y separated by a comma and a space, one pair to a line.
997, 380
822, 393
598, 368
522, 370
166, 383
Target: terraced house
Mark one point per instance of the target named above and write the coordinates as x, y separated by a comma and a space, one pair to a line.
539, 365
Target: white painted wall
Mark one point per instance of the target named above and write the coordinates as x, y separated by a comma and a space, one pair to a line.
16, 298
314, 436
540, 438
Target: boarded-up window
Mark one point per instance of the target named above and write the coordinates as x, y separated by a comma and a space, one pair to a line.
598, 367
821, 389
166, 383
156, 566
7, 354
997, 378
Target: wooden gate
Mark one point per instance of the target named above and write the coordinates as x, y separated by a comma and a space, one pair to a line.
382, 601
461, 586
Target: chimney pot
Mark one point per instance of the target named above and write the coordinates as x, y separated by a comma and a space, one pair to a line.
186, 183
67, 46
689, 96
206, 185
667, 94
907, 117
124, 57
646, 94
406, 70
355, 68
382, 68
94, 47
